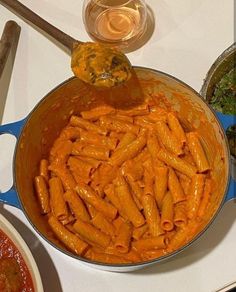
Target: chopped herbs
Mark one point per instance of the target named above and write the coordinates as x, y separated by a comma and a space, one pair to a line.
224, 97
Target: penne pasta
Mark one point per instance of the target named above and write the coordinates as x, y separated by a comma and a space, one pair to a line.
89, 195
136, 189
178, 239
118, 222
103, 224
86, 125
42, 194
127, 203
136, 111
153, 148
139, 231
167, 213
152, 215
109, 190
104, 175
73, 242
169, 235
70, 133
175, 187
57, 201
152, 243
43, 169
70, 219
205, 197
129, 152
126, 140
122, 242
132, 256
177, 163
197, 152
149, 255
167, 138
96, 139
88, 232
76, 205
180, 218
143, 122
60, 151
81, 168
184, 181
92, 211
176, 128
65, 175
92, 151
142, 156
118, 125
133, 170
160, 184
94, 162
148, 183
124, 118
195, 195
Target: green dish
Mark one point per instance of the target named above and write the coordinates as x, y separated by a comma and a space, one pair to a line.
224, 95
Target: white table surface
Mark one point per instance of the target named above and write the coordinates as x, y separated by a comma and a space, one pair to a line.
188, 36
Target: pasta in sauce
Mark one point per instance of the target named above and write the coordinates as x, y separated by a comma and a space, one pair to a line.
124, 186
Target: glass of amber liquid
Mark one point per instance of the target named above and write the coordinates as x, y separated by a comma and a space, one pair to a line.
115, 22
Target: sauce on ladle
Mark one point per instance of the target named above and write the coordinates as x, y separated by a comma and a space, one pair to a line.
100, 65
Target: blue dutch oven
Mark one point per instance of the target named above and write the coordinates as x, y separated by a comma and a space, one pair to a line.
35, 135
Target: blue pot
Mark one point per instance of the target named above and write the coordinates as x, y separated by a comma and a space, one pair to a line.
35, 135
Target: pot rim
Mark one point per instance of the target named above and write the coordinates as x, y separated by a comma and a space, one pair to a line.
144, 263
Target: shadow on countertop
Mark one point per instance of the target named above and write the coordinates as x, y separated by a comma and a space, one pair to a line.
201, 247
48, 272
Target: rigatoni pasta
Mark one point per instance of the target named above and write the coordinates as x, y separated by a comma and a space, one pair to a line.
197, 152
124, 186
42, 193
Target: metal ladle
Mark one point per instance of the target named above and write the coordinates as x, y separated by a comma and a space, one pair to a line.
94, 63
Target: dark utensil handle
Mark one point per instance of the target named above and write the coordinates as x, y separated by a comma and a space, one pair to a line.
20, 9
8, 46
9, 37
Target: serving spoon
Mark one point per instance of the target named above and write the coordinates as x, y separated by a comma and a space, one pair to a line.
94, 63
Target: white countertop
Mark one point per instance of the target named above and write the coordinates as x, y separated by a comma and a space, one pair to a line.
189, 35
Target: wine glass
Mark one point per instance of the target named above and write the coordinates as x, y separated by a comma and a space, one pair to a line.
115, 22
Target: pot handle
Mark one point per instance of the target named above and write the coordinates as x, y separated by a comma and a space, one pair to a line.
10, 197
228, 121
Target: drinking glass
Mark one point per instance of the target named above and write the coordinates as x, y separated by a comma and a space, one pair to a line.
115, 22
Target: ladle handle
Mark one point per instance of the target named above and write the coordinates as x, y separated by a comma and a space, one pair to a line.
20, 9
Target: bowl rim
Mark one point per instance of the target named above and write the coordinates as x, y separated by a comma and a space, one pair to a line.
214, 67
143, 263
10, 231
